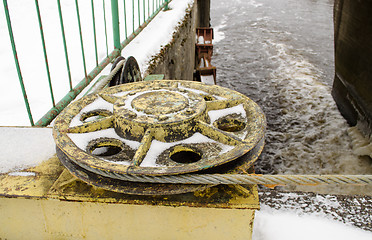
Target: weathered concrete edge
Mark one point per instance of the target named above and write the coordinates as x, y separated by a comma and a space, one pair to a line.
176, 59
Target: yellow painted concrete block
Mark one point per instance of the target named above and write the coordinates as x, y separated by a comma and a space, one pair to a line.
54, 205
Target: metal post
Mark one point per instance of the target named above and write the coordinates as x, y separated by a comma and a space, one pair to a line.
64, 43
115, 23
166, 5
94, 32
45, 52
139, 13
11, 36
81, 37
104, 18
204, 13
125, 20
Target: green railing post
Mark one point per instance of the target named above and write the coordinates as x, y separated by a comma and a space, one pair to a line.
104, 20
166, 5
81, 37
115, 23
144, 10
94, 32
133, 16
11, 36
139, 13
125, 20
45, 52
64, 42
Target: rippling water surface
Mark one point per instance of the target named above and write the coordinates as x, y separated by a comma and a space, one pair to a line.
280, 54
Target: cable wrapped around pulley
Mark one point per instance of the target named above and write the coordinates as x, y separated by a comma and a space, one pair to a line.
254, 179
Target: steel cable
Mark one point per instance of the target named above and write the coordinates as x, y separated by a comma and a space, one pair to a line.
252, 179
103, 83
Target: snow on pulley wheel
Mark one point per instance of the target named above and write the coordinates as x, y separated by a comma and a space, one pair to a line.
166, 127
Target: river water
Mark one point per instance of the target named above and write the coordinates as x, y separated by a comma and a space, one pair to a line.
280, 54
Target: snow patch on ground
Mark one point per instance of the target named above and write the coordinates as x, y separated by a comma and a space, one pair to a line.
271, 224
23, 148
22, 174
353, 212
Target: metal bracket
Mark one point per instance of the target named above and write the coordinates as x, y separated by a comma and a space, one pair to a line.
205, 71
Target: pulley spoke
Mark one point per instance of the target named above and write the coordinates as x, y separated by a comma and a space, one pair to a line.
100, 124
109, 98
222, 104
218, 135
143, 148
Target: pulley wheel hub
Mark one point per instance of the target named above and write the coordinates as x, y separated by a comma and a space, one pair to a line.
158, 128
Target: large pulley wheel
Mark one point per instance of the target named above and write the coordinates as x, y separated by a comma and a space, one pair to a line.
158, 128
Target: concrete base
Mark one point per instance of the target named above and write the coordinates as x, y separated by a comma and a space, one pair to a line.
51, 204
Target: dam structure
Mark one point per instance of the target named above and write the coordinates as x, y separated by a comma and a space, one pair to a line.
182, 98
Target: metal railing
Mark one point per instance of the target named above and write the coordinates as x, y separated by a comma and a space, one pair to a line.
128, 17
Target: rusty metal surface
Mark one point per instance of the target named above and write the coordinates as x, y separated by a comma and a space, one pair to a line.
161, 112
204, 53
36, 184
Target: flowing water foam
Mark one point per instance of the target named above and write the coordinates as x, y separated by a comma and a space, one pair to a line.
313, 136
281, 56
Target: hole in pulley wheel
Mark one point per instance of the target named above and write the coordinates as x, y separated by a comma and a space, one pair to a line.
94, 115
104, 147
184, 155
230, 123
